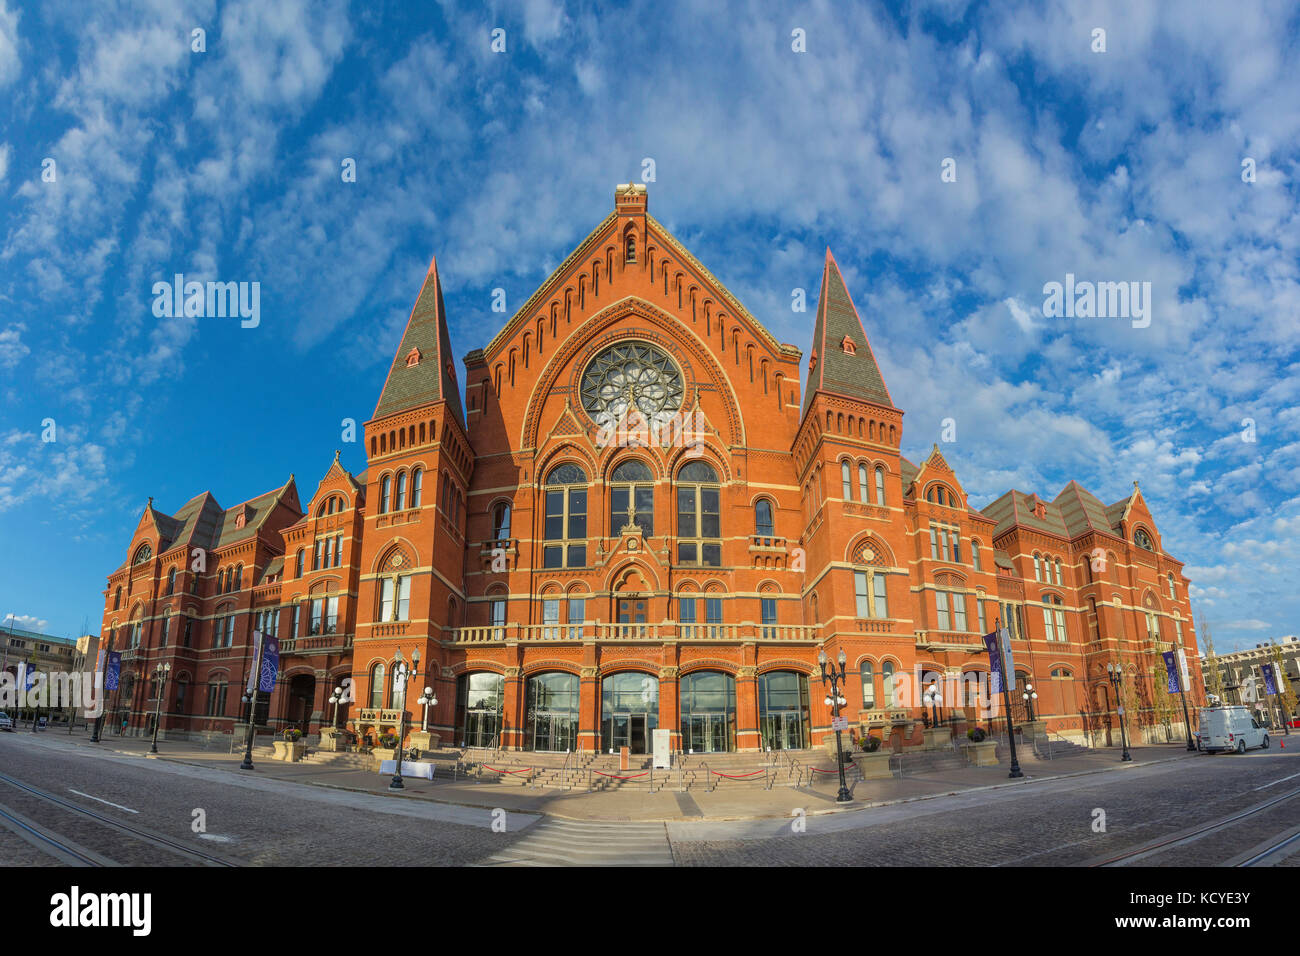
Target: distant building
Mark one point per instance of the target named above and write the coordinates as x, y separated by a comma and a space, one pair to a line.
1243, 681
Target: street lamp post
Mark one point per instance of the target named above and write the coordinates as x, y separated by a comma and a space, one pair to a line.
402, 675
1116, 676
103, 692
162, 671
835, 702
250, 698
932, 698
336, 698
1030, 695
428, 700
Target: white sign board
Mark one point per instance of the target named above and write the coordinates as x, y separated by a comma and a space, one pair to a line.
839, 723
410, 768
662, 740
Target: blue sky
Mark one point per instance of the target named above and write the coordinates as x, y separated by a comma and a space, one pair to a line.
1123, 165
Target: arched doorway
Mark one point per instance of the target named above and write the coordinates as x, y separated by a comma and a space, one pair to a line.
552, 714
479, 700
302, 694
708, 709
783, 710
629, 711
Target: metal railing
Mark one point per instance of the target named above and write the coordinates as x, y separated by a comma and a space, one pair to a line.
666, 631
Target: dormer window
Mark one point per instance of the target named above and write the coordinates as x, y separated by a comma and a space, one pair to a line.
239, 520
412, 358
848, 347
630, 249
812, 360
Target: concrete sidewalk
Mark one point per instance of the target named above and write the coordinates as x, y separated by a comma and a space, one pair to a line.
723, 803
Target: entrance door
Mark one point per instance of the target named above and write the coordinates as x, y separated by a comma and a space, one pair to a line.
632, 612
783, 730
706, 733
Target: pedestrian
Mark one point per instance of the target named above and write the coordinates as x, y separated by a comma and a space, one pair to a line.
121, 732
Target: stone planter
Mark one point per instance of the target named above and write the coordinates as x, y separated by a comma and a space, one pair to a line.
332, 741
289, 750
937, 738
425, 740
982, 754
874, 766
384, 753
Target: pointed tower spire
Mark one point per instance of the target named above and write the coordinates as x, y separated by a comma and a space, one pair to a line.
423, 369
842, 362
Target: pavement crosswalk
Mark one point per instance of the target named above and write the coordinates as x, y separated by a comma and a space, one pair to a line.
553, 842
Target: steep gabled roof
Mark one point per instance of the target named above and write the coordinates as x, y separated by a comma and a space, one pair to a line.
1016, 508
842, 362
433, 376
1081, 510
256, 511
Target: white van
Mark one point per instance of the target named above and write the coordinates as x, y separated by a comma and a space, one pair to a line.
1229, 728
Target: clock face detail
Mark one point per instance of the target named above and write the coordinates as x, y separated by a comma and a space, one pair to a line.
631, 375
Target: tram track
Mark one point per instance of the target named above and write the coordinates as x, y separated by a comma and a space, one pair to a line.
1190, 835
63, 848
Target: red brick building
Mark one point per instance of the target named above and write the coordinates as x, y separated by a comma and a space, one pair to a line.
634, 521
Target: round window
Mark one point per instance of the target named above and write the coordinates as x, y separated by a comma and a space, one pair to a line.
631, 375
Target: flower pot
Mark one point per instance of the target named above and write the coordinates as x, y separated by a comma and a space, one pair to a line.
982, 754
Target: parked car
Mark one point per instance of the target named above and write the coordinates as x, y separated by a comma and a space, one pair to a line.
6, 722
41, 723
1230, 728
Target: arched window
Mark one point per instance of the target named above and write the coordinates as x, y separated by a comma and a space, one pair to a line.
975, 554
868, 674
566, 517
846, 482
880, 486
1038, 567
417, 484
887, 679
862, 483
117, 599
699, 524
239, 577
629, 254
385, 493
142, 554
377, 686
1059, 577
763, 525
1172, 595
632, 498
171, 582
501, 522
298, 562
400, 503
1143, 540
1053, 618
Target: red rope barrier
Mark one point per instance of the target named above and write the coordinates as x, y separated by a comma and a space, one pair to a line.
737, 776
495, 770
617, 777
819, 770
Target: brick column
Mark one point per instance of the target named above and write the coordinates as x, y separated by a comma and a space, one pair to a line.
748, 734
512, 711
589, 710
669, 707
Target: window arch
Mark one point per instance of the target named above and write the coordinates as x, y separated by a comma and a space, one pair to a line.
298, 563
975, 553
566, 517
699, 522
142, 554
763, 524
1172, 594
846, 481
887, 681
377, 686
117, 599
862, 483
417, 483
631, 497
1053, 618
1059, 577
880, 486
239, 577
1143, 540
399, 502
1038, 566
171, 581
385, 493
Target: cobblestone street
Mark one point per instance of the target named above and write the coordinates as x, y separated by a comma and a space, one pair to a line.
256, 819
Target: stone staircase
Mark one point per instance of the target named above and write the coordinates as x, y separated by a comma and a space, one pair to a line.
912, 762
597, 772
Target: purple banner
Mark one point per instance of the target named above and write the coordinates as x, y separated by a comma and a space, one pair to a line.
995, 663
270, 664
112, 669
1270, 685
1171, 671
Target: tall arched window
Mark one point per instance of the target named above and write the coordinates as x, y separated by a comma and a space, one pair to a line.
566, 517
975, 553
1053, 618
417, 484
298, 563
117, 599
868, 674
846, 482
239, 577
1060, 579
385, 493
880, 486
501, 522
377, 686
1172, 595
887, 679
763, 525
1143, 540
171, 583
862, 483
1038, 566
632, 497
699, 524
400, 504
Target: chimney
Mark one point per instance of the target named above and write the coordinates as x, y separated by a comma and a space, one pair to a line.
630, 199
